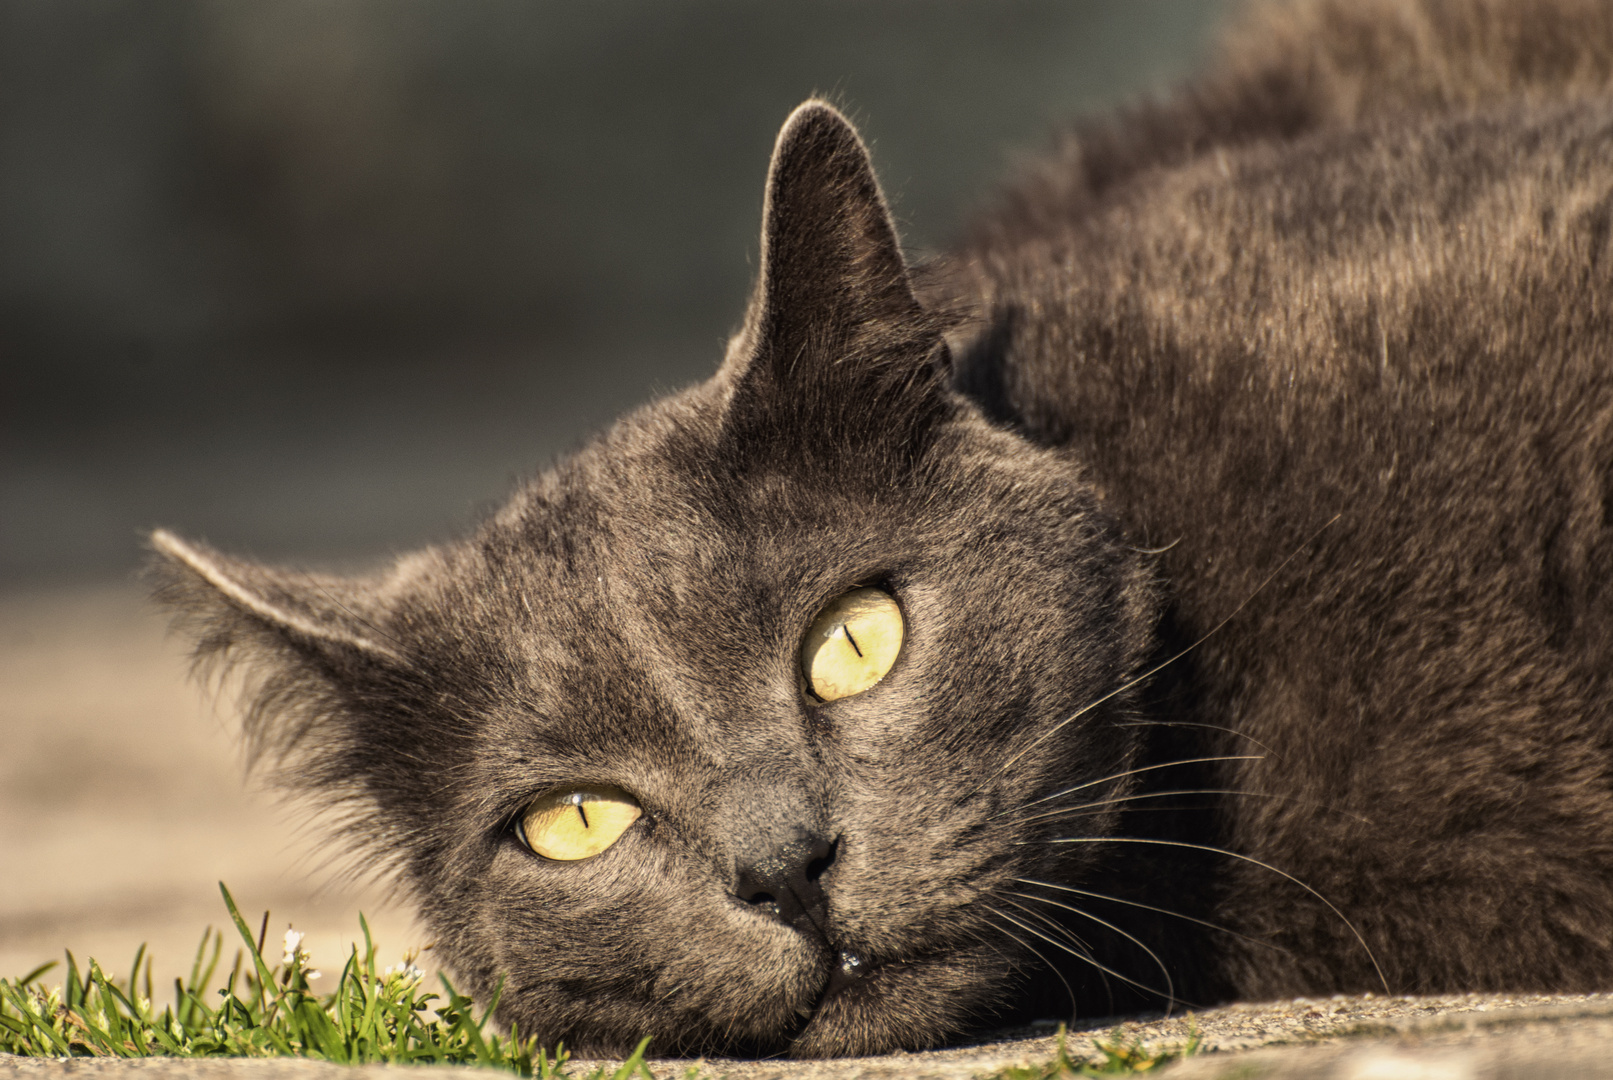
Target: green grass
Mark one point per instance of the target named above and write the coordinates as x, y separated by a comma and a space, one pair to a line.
266, 1010
269, 1011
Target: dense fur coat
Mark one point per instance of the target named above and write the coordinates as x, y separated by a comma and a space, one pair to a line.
1244, 487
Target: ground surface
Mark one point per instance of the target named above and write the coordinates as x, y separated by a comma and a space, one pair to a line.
1491, 1037
122, 804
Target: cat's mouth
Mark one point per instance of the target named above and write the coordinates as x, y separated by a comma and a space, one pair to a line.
870, 1006
849, 970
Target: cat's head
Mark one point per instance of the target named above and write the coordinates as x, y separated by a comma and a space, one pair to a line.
631, 748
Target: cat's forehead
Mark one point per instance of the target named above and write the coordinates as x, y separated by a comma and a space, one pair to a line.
661, 497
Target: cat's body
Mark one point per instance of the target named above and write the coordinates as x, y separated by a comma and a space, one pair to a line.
1270, 466
1382, 348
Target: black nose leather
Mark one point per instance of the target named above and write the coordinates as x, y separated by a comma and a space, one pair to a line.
784, 883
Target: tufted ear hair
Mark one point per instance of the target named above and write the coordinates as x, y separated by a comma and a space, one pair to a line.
833, 333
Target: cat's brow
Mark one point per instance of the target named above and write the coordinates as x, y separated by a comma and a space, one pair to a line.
1162, 665
1382, 979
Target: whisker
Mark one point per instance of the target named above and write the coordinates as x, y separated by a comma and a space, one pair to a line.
1188, 791
1136, 771
1157, 550
1162, 665
1065, 933
1170, 984
1085, 958
1055, 926
1208, 727
1151, 907
1028, 947
359, 618
1245, 858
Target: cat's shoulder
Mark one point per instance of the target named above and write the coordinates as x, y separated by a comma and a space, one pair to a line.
1286, 70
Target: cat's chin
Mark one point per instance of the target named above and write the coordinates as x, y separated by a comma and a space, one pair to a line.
902, 1005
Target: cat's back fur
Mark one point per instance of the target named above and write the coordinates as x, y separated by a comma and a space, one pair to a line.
1244, 488
1333, 328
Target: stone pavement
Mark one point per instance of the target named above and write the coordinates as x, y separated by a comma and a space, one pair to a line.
1474, 1037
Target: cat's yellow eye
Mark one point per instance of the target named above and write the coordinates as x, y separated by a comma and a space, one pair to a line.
578, 823
852, 644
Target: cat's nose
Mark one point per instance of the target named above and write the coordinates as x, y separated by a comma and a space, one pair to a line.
785, 884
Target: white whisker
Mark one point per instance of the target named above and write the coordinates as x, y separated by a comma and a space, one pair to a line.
1208, 727
1028, 947
1151, 907
1162, 665
1245, 858
1170, 984
1136, 771
1187, 791
1084, 958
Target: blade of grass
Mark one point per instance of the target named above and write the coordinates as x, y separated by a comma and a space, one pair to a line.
265, 976
134, 969
73, 992
37, 972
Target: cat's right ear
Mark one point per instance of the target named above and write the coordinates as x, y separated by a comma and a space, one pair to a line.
307, 646
228, 602
830, 262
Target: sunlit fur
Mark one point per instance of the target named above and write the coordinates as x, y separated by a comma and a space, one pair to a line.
1244, 486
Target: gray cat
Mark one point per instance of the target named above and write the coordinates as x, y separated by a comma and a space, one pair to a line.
1195, 587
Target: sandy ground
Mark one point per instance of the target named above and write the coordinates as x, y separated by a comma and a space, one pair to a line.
123, 802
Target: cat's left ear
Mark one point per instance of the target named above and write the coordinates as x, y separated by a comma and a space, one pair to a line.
833, 321
830, 257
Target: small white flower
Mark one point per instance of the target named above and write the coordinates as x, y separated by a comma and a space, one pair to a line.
311, 973
296, 954
407, 970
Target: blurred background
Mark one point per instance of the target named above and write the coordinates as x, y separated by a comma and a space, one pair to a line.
319, 280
